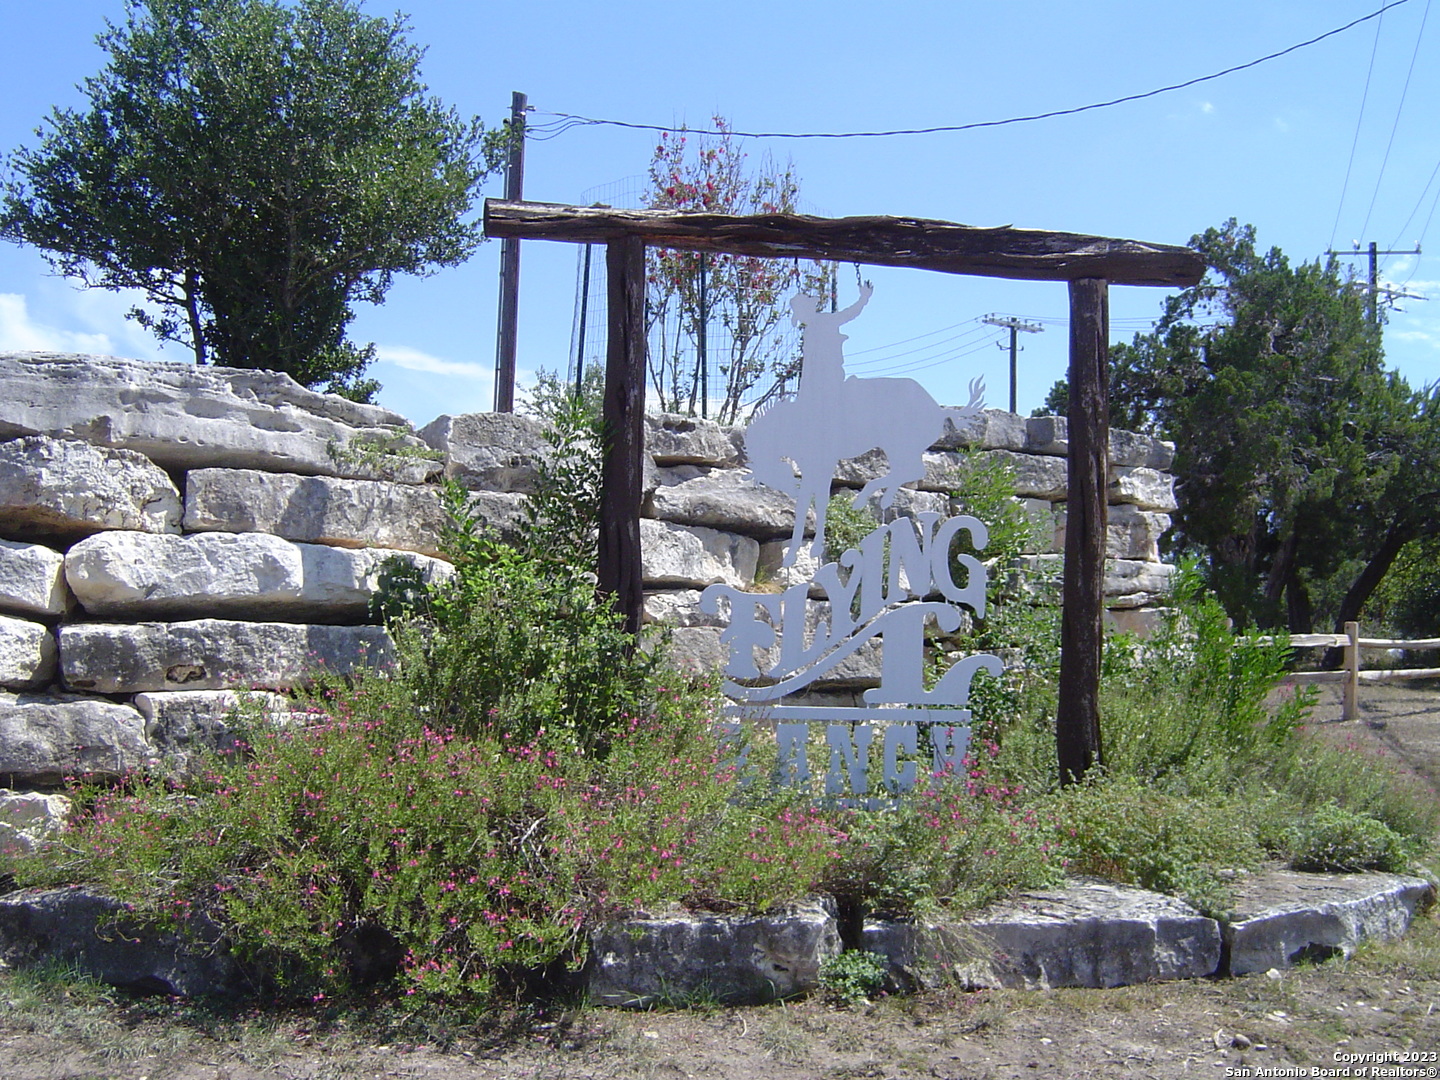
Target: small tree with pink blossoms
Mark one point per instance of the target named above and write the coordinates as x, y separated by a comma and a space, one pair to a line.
693, 294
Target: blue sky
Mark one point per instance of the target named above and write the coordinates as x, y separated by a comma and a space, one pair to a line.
1284, 146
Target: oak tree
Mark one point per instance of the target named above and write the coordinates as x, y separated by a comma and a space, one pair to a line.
254, 168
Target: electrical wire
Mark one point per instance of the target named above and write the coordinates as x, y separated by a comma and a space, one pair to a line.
885, 365
580, 120
906, 341
1359, 122
1418, 203
1396, 126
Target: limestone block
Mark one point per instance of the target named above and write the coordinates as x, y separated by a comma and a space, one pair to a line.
773, 574
1049, 435
67, 489
27, 654
727, 499
1132, 584
500, 511
29, 818
84, 928
908, 502
696, 650
990, 429
212, 654
702, 650
1131, 533
1145, 488
1283, 917
32, 580
1036, 477
315, 509
1090, 935
673, 439
47, 737
1047, 535
858, 471
183, 727
489, 451
234, 575
186, 417
1142, 622
736, 959
677, 607
695, 556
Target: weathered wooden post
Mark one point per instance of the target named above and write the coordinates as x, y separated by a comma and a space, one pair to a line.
1090, 264
624, 419
1077, 720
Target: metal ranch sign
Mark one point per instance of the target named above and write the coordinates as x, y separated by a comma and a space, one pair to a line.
902, 576
1088, 265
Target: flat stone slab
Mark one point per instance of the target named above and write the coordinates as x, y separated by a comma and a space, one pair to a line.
132, 575
29, 818
27, 654
674, 439
212, 654
46, 737
1283, 917
314, 509
490, 451
727, 499
184, 727
187, 417
736, 959
53, 487
1088, 934
32, 580
1146, 488
674, 556
96, 933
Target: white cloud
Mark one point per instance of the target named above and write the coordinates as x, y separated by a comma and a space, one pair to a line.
415, 360
21, 333
1425, 336
1207, 107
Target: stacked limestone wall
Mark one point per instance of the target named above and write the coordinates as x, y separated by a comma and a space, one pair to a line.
169, 534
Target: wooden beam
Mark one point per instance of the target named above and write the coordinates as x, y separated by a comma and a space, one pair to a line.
619, 572
1005, 252
1077, 720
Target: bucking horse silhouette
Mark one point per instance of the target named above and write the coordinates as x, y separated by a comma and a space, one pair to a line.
795, 444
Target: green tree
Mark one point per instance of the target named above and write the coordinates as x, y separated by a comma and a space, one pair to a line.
254, 168
1303, 466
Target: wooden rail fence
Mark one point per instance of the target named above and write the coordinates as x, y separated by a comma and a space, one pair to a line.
1351, 676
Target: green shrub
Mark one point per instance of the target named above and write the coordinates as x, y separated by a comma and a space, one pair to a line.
1334, 838
853, 976
1121, 830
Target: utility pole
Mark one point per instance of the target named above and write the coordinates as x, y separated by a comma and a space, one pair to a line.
505, 331
1372, 303
1014, 325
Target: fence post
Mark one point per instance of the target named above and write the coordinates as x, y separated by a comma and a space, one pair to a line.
1352, 672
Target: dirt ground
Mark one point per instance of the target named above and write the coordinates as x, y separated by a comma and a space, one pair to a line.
1385, 1000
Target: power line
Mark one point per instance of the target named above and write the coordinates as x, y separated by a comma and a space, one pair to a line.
565, 121
1359, 123
1396, 126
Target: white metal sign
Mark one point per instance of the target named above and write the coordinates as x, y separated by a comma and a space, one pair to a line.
901, 576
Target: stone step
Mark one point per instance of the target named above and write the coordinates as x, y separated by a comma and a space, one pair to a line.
1087, 934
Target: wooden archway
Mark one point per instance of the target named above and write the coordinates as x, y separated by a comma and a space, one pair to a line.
1088, 264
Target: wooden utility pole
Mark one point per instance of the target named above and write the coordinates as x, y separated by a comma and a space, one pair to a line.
621, 470
1372, 301
1077, 720
1014, 325
505, 331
